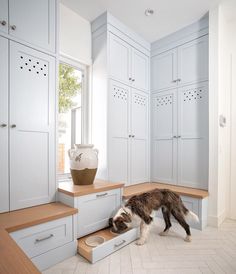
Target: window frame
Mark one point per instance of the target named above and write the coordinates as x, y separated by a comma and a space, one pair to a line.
63, 59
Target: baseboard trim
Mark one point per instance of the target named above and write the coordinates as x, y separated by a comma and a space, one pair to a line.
216, 221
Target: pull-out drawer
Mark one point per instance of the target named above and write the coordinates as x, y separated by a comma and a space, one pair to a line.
41, 238
112, 243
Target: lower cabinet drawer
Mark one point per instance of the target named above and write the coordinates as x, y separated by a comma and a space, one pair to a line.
112, 243
41, 238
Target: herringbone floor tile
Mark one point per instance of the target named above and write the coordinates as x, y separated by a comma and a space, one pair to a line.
211, 251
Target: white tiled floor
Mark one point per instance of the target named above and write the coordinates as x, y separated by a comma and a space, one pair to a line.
211, 251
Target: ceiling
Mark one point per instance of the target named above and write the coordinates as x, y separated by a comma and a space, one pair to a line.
169, 15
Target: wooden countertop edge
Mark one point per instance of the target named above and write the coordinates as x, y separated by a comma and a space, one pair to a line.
151, 186
89, 191
12, 257
41, 221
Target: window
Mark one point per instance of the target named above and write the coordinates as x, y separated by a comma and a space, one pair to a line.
70, 116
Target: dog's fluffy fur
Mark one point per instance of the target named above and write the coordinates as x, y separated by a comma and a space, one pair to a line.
138, 209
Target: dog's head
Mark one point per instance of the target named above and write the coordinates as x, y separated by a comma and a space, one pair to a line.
121, 221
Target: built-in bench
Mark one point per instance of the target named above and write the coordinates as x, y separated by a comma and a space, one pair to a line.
38, 236
195, 200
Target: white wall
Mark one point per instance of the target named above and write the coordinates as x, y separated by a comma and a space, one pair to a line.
75, 36
222, 39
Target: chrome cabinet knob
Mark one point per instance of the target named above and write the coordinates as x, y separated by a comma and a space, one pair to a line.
179, 80
130, 78
13, 126
13, 27
133, 80
3, 125
178, 136
3, 23
174, 136
133, 136
130, 136
174, 81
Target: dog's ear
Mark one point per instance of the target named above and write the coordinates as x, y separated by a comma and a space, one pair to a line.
126, 217
110, 221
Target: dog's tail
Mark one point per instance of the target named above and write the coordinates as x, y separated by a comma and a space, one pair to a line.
190, 216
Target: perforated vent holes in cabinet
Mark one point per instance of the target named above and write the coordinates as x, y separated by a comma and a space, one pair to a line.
119, 93
33, 65
140, 100
162, 101
193, 94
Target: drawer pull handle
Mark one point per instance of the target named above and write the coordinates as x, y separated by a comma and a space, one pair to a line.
44, 238
120, 244
101, 195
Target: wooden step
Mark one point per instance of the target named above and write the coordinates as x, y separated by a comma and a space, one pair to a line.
129, 191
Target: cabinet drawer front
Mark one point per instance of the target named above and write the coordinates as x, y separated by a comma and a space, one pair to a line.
96, 209
115, 244
112, 243
44, 237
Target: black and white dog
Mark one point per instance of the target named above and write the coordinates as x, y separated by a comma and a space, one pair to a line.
137, 211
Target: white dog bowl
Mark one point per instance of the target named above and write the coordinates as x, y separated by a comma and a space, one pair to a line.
94, 241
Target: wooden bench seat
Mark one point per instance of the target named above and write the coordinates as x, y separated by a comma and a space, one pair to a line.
129, 191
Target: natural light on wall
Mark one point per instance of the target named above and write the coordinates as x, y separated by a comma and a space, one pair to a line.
70, 112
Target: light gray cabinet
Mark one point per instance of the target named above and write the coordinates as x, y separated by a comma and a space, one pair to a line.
4, 169
120, 102
30, 21
164, 133
27, 142
4, 16
95, 209
127, 64
180, 136
128, 134
164, 70
32, 127
193, 61
185, 64
193, 135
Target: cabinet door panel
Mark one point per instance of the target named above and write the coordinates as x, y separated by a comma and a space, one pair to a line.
119, 59
139, 139
193, 132
164, 70
193, 61
4, 180
96, 209
118, 131
34, 21
32, 143
4, 15
164, 141
140, 70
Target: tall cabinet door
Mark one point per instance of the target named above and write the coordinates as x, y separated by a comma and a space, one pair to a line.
164, 137
33, 21
4, 169
4, 16
193, 136
139, 137
164, 70
193, 61
118, 132
32, 130
119, 59
140, 70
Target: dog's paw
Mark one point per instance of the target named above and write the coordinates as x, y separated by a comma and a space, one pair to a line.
188, 239
164, 233
140, 242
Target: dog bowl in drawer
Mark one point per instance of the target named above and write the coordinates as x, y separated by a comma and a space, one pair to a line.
111, 244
